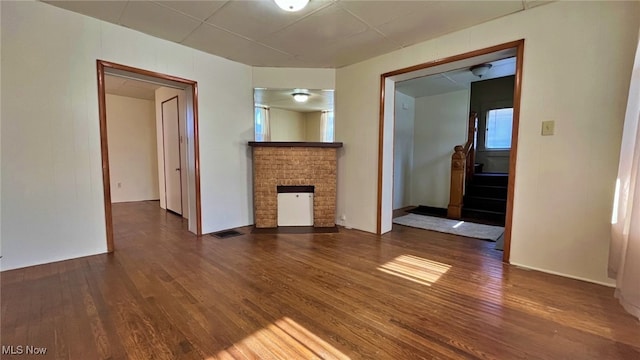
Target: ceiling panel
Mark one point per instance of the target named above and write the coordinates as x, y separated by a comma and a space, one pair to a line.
428, 86
157, 20
352, 49
209, 39
439, 18
257, 19
318, 30
454, 80
104, 10
377, 13
327, 33
198, 9
116, 85
533, 3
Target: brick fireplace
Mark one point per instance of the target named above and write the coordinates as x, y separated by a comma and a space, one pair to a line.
302, 164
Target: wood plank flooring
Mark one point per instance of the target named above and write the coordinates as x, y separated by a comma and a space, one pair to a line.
409, 294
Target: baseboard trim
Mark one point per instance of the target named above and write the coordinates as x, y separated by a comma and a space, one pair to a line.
564, 275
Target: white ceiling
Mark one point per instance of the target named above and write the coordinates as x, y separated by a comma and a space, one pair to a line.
282, 99
116, 85
326, 34
454, 80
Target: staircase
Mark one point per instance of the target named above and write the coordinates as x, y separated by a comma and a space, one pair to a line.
485, 198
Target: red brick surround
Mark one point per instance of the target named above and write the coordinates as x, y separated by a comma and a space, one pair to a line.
294, 165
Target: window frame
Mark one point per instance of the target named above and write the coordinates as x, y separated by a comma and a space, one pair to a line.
486, 128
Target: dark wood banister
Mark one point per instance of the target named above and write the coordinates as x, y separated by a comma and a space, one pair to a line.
462, 168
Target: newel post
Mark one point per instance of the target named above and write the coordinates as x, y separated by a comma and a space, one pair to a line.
458, 159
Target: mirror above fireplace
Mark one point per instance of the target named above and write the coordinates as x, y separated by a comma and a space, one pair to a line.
293, 115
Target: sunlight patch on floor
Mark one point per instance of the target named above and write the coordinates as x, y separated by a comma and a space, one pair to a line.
458, 224
284, 339
416, 269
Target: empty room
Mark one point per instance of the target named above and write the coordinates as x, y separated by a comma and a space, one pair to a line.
319, 179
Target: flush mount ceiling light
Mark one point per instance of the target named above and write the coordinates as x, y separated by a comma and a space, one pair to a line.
291, 5
300, 95
480, 70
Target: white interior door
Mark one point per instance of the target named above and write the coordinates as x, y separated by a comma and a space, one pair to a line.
171, 142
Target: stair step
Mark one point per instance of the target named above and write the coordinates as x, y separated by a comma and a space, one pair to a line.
485, 203
492, 191
495, 179
494, 217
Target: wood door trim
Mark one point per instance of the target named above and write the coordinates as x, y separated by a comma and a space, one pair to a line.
519, 46
104, 148
196, 155
101, 65
381, 153
164, 159
517, 95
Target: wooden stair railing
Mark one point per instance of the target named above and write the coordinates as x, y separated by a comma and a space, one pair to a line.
462, 168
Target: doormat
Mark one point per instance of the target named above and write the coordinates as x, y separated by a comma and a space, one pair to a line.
226, 234
456, 227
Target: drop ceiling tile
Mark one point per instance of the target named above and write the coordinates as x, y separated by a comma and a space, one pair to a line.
157, 20
318, 30
379, 12
429, 86
116, 85
112, 83
533, 3
222, 43
198, 9
352, 49
440, 18
104, 10
259, 18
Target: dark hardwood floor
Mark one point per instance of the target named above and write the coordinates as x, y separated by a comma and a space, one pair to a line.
410, 294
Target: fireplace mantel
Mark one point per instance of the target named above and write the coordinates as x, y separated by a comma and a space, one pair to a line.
295, 144
294, 165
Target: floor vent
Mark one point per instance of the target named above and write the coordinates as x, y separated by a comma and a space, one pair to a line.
226, 234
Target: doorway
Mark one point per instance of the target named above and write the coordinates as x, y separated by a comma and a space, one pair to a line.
189, 169
387, 124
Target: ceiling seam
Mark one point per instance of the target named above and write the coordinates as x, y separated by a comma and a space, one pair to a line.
122, 12
243, 37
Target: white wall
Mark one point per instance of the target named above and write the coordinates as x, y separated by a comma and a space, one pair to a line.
52, 197
313, 126
565, 181
163, 94
441, 123
287, 125
403, 150
133, 160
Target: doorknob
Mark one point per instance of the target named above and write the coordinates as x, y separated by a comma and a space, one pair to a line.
177, 169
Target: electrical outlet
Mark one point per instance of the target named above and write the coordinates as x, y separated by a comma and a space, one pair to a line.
343, 217
548, 127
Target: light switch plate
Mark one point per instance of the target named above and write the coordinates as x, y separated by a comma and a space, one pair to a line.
548, 127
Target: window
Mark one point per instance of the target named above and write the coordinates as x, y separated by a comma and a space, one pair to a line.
499, 125
326, 126
261, 115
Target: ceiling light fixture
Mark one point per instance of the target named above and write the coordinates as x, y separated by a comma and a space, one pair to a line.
480, 70
300, 96
291, 5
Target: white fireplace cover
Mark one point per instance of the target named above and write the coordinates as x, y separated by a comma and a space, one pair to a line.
295, 209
